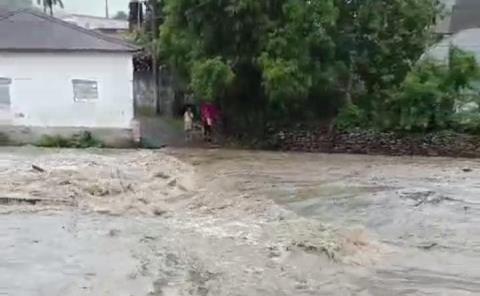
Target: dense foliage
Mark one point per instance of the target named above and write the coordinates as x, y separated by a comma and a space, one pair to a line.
251, 56
121, 15
294, 60
434, 95
438, 95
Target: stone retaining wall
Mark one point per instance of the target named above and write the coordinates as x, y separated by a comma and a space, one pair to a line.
372, 142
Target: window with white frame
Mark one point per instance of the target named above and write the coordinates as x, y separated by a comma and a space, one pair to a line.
85, 90
5, 92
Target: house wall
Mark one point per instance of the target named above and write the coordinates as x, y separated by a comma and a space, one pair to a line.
41, 91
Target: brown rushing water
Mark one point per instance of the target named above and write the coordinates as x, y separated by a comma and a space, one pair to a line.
218, 222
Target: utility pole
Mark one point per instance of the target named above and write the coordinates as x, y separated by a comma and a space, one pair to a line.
107, 14
154, 28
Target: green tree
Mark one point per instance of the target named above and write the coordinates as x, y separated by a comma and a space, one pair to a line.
270, 51
278, 57
48, 5
381, 40
428, 97
121, 15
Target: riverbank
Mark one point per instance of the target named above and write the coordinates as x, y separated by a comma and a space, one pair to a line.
371, 142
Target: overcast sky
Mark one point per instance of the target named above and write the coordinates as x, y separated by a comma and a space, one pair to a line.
95, 7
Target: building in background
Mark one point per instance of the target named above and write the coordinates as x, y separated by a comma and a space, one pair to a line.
465, 15
112, 27
459, 15
59, 78
462, 30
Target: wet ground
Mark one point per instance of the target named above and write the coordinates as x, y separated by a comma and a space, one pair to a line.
213, 222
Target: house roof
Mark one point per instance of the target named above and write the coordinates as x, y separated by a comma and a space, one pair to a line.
27, 30
465, 15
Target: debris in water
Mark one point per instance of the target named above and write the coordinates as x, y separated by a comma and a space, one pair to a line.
97, 190
17, 200
467, 170
428, 246
113, 232
159, 212
162, 175
427, 197
172, 183
311, 248
64, 182
37, 168
144, 201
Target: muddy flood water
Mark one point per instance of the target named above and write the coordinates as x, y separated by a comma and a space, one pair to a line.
221, 222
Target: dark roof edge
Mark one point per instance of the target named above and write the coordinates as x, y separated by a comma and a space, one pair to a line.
128, 46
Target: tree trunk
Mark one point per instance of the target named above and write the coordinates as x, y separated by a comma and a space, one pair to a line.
348, 92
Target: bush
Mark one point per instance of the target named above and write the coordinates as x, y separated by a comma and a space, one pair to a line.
427, 98
466, 122
82, 140
351, 116
423, 103
210, 78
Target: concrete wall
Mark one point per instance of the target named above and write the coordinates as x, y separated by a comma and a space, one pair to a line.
144, 93
41, 91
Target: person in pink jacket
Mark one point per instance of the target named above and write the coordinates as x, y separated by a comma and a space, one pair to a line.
210, 116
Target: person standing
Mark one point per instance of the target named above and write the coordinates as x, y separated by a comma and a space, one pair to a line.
210, 117
188, 124
207, 122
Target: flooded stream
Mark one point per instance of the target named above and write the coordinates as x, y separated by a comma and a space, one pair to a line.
218, 222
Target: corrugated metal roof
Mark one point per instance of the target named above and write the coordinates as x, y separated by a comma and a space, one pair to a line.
465, 15
27, 30
464, 18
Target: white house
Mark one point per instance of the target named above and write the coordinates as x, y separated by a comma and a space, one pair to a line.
56, 77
